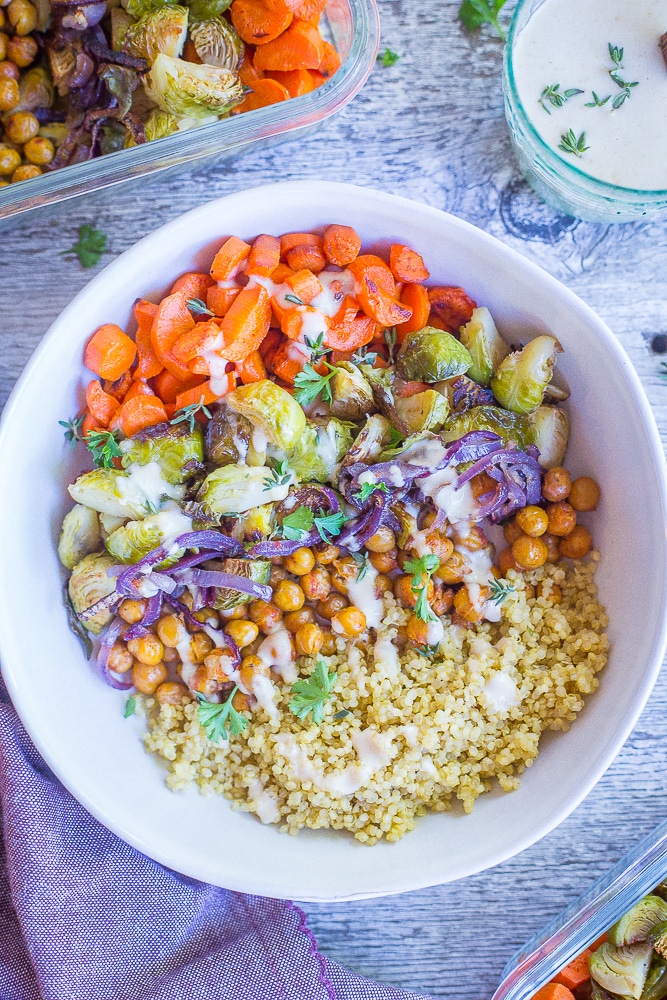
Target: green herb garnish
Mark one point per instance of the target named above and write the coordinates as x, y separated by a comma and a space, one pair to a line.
422, 570
280, 474
557, 97
570, 144
616, 56
366, 489
130, 706
330, 525
188, 414
390, 338
214, 719
90, 246
344, 712
298, 523
311, 694
103, 447
308, 385
428, 651
72, 429
500, 591
362, 562
395, 440
474, 13
597, 102
364, 357
198, 307
316, 347
388, 58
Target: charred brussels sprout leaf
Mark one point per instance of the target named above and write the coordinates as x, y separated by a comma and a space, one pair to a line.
431, 355
172, 446
658, 938
111, 491
88, 584
228, 437
35, 90
254, 525
352, 396
370, 442
139, 8
202, 10
226, 598
508, 426
638, 922
272, 410
217, 43
319, 450
79, 536
485, 345
161, 31
191, 90
134, 540
237, 488
621, 970
521, 379
550, 428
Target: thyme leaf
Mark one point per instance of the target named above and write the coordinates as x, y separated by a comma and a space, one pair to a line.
569, 143
280, 474
72, 429
500, 591
188, 414
316, 347
557, 97
198, 307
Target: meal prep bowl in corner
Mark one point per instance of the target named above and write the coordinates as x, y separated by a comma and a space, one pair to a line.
77, 722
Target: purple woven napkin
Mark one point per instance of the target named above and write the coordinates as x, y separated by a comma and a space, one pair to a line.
83, 916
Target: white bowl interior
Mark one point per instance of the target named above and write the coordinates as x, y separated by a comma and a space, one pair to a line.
76, 721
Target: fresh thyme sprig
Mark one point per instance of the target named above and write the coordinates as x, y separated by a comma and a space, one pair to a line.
569, 143
616, 56
187, 414
294, 299
422, 570
366, 489
72, 429
361, 560
557, 97
103, 447
280, 474
309, 695
198, 307
308, 385
364, 357
316, 347
500, 591
214, 719
597, 102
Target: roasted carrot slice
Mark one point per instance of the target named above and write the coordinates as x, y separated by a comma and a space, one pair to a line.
191, 344
288, 360
281, 273
290, 240
168, 387
318, 78
218, 300
269, 345
415, 297
373, 267
379, 305
246, 71
451, 305
295, 81
291, 322
260, 21
141, 412
204, 394
138, 388
246, 323
304, 284
193, 285
109, 352
330, 61
148, 363
553, 991
90, 425
263, 93
406, 264
190, 53
251, 369
341, 245
352, 334
306, 10
100, 404
307, 255
118, 387
172, 320
576, 972
300, 47
264, 256
229, 258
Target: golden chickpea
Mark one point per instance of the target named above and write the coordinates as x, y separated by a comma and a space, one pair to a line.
25, 172
132, 611
3, 45
147, 649
22, 50
577, 544
266, 615
200, 646
511, 531
473, 541
289, 596
10, 159
585, 494
147, 677
331, 606
300, 562
232, 614
120, 658
557, 484
529, 552
454, 570
172, 693
209, 616
384, 562
293, 620
170, 655
3, 18
417, 631
278, 574
383, 584
8, 70
562, 518
349, 622
382, 541
325, 554
532, 520
202, 683
438, 544
404, 593
4, 183
170, 630
328, 643
250, 666
552, 543
240, 701
401, 639
344, 571
465, 606
39, 151
22, 16
242, 632
216, 666
507, 561
443, 599
317, 584
481, 484
309, 640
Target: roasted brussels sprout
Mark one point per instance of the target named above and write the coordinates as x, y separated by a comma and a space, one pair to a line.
319, 450
425, 411
658, 938
352, 396
80, 535
431, 355
162, 30
521, 379
226, 598
217, 43
35, 90
134, 540
484, 344
236, 488
194, 91
550, 431
655, 987
272, 410
370, 442
88, 584
111, 491
254, 525
621, 970
462, 393
172, 446
109, 523
638, 922
227, 436
158, 124
203, 10
139, 8
508, 426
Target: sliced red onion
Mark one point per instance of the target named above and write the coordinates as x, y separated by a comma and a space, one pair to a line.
384, 474
208, 539
275, 547
151, 615
217, 578
184, 610
356, 532
519, 476
471, 447
108, 638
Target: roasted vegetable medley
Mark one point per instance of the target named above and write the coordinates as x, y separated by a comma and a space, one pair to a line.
80, 78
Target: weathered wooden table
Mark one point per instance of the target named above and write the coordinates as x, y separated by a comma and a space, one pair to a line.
432, 128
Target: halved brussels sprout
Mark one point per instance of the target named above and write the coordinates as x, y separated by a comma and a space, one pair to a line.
227, 436
226, 598
79, 536
485, 345
203, 10
111, 491
407, 521
134, 540
161, 31
35, 90
319, 450
217, 43
120, 22
109, 523
655, 987
639, 921
272, 410
521, 379
172, 446
185, 88
253, 526
425, 411
658, 938
88, 584
550, 429
370, 442
431, 355
508, 426
351, 392
139, 8
159, 124
235, 488
621, 970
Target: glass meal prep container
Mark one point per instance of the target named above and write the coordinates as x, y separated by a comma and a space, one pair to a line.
591, 915
354, 28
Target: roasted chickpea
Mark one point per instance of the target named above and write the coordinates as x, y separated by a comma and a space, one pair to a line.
200, 646
8, 70
552, 543
170, 630
266, 615
473, 541
344, 571
300, 562
22, 16
172, 693
585, 494
217, 665
466, 607
443, 599
3, 45
349, 622
532, 520
132, 611
289, 596
39, 151
10, 158
382, 541
309, 639
170, 655
383, 562
418, 631
562, 518
405, 594
202, 683
439, 545
120, 658
507, 561
401, 639
557, 484
454, 570
242, 631
3, 18
250, 666
240, 701
147, 649
328, 643
22, 50
25, 172
278, 574
383, 584
233, 614
511, 531
577, 544
325, 554
293, 620
209, 616
331, 606
147, 677
317, 584
481, 484
529, 552
552, 593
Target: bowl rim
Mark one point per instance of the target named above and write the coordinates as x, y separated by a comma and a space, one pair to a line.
326, 191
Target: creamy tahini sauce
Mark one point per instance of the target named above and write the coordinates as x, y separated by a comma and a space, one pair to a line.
566, 42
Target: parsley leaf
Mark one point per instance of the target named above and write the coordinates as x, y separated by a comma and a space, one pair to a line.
188, 413
388, 58
311, 694
422, 570
214, 719
280, 474
130, 706
308, 385
474, 13
103, 447
198, 307
500, 591
298, 523
72, 429
330, 525
90, 246
366, 489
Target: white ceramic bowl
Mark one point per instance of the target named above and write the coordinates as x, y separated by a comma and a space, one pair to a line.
77, 722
